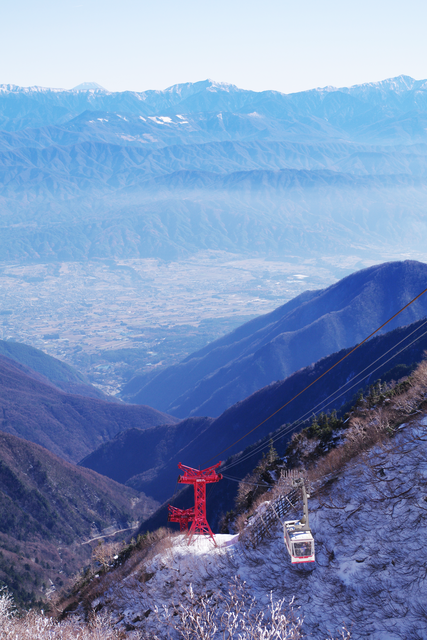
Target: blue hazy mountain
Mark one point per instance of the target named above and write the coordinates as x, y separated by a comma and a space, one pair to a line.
88, 86
206, 165
273, 346
347, 109
59, 373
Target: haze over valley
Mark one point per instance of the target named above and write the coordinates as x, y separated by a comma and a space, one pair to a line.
112, 318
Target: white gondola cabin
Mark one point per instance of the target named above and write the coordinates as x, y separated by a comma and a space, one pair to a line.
297, 535
300, 544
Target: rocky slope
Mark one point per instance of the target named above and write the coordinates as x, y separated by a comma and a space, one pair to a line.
369, 521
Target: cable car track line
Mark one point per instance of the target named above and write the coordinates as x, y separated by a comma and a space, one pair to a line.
283, 430
253, 484
317, 379
287, 428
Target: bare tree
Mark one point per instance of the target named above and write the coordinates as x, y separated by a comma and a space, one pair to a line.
229, 616
105, 553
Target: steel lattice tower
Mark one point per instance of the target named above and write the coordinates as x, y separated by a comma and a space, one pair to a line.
199, 478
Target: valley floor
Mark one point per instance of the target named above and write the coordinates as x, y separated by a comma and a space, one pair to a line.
109, 318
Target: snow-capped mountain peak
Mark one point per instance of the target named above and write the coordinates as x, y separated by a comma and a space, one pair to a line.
88, 86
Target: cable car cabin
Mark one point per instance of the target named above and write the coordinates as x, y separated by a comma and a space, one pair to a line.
300, 544
298, 538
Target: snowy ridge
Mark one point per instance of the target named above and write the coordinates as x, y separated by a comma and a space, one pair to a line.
369, 525
399, 84
13, 88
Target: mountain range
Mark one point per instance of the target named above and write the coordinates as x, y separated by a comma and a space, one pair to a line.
50, 508
89, 173
141, 447
349, 109
147, 460
271, 347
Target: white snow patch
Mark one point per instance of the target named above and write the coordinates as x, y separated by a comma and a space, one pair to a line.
161, 119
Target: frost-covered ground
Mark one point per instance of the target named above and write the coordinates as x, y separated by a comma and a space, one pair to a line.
370, 529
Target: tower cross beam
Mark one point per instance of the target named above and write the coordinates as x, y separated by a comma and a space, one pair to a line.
192, 475
182, 516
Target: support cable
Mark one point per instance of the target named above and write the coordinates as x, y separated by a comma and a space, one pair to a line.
253, 484
287, 428
318, 378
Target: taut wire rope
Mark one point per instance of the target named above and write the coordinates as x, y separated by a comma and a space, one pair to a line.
287, 428
317, 379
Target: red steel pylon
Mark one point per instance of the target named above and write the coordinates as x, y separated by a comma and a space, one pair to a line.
183, 516
199, 479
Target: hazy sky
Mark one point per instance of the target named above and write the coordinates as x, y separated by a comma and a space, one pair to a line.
274, 44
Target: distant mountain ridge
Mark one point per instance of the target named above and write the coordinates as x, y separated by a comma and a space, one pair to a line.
273, 346
208, 95
90, 173
88, 86
68, 425
61, 374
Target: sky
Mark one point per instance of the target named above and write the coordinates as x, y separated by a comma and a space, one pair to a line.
283, 45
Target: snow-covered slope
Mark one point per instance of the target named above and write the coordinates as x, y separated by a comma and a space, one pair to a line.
370, 524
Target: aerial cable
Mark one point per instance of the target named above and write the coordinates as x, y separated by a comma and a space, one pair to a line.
254, 484
287, 428
324, 403
318, 378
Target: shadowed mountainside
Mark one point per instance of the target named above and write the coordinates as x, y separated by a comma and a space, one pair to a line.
59, 373
134, 455
68, 425
48, 508
273, 346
